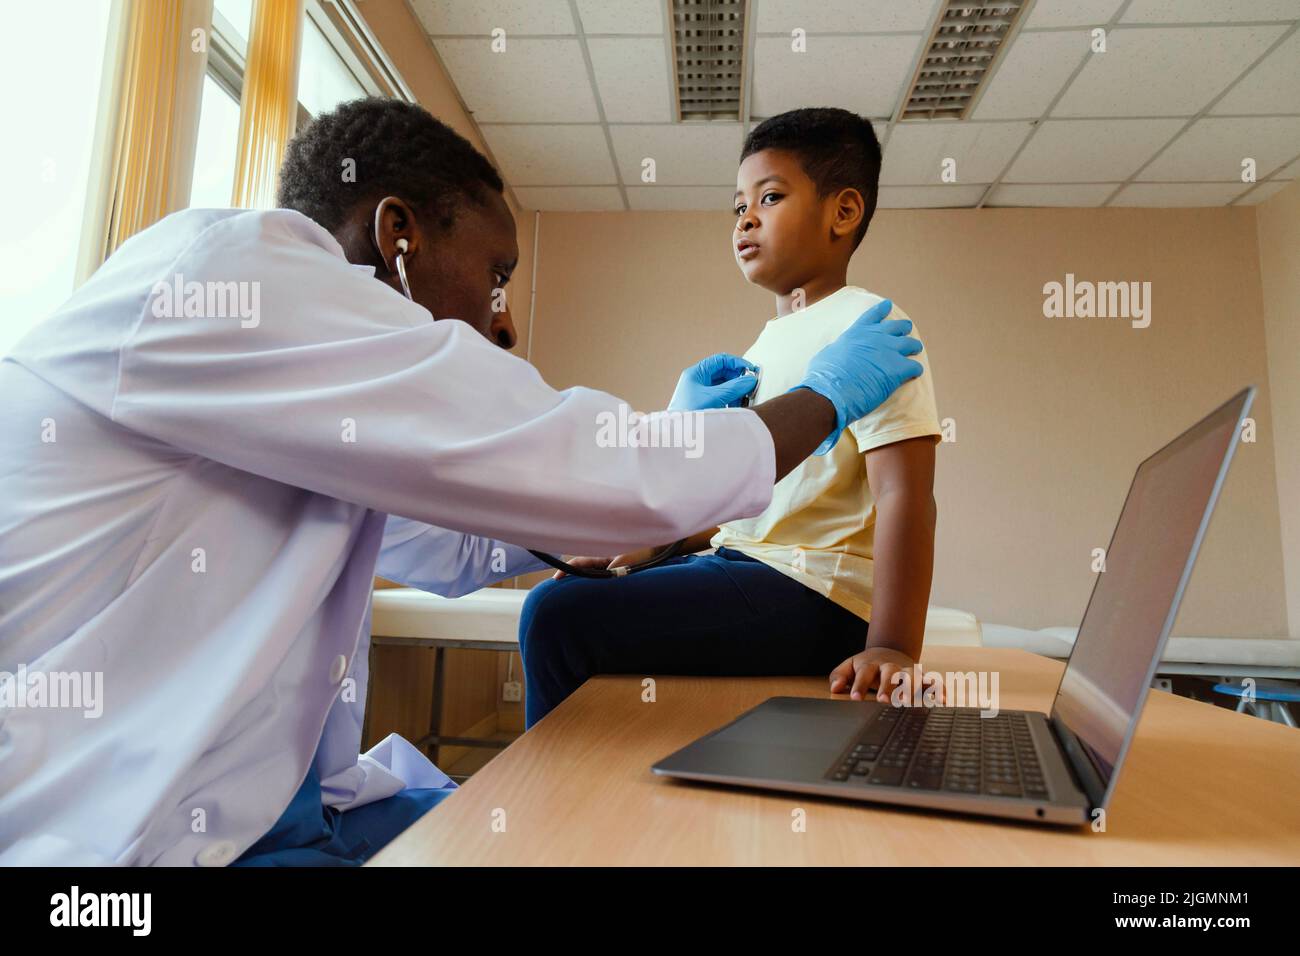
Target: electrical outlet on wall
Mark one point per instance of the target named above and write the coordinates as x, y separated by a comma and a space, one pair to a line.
512, 691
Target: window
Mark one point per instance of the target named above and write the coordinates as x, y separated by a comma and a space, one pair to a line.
324, 79
214, 153
239, 14
45, 167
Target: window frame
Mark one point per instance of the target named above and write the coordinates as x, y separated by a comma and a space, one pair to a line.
345, 33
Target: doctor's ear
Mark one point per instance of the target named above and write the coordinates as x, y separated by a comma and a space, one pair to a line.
394, 232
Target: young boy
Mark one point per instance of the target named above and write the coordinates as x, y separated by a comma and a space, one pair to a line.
848, 539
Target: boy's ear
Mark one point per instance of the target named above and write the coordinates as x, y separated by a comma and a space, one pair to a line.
849, 210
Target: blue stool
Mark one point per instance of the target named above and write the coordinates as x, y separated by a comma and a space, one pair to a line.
1268, 699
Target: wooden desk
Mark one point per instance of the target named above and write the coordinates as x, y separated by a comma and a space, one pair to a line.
1202, 785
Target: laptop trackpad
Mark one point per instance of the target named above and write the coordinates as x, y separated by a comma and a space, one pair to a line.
714, 758
822, 733
775, 742
785, 739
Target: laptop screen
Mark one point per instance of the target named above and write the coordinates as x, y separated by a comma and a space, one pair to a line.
1134, 600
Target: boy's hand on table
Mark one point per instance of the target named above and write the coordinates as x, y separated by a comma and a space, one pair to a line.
875, 665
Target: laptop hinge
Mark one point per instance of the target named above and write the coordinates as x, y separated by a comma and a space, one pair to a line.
1085, 772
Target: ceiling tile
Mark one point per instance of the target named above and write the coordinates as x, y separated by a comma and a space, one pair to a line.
539, 113
1053, 194
929, 197
1090, 151
483, 16
1213, 149
632, 79
622, 16
685, 154
531, 81
844, 16
1031, 74
863, 74
702, 198
917, 151
1163, 72
551, 155
1178, 194
1271, 87
570, 198
1263, 193
1071, 13
1209, 11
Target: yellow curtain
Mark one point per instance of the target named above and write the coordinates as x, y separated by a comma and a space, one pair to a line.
268, 110
152, 88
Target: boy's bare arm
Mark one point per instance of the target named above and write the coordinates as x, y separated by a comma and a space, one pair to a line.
901, 477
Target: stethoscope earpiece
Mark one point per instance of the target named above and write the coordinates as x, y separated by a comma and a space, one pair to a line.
401, 268
402, 245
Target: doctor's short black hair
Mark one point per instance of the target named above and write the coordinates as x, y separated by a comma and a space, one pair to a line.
367, 149
837, 149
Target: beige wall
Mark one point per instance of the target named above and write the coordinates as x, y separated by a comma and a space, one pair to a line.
1279, 257
1052, 415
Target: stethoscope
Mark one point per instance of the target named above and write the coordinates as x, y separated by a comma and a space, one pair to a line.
558, 563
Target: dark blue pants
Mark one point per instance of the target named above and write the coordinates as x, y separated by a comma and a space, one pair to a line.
723, 614
309, 834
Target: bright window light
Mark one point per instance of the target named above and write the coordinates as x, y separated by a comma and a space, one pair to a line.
324, 80
240, 15
214, 153
50, 108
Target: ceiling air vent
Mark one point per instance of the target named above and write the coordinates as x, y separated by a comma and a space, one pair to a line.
708, 51
959, 58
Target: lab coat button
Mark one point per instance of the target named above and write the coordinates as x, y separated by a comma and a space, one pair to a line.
339, 669
216, 854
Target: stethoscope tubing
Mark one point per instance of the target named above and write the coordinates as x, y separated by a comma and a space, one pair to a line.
557, 563
560, 565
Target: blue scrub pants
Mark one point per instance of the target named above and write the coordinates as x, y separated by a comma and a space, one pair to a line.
309, 834
723, 614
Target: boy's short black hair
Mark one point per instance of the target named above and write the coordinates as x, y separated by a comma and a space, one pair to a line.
396, 148
838, 150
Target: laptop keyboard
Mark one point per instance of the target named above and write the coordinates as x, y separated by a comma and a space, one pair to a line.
941, 748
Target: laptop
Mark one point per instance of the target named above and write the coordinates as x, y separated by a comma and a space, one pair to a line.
1051, 768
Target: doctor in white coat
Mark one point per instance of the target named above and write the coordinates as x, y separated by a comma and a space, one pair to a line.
211, 449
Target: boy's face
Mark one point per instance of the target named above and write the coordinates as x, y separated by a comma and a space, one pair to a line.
783, 229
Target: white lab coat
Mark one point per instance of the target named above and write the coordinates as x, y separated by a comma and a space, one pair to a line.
181, 512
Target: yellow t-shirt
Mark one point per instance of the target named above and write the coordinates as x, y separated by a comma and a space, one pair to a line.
820, 525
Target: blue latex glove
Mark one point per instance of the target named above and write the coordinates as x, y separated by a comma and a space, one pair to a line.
718, 381
861, 368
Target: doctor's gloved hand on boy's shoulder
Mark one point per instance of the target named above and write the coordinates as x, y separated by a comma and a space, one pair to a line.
861, 368
718, 381
855, 373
